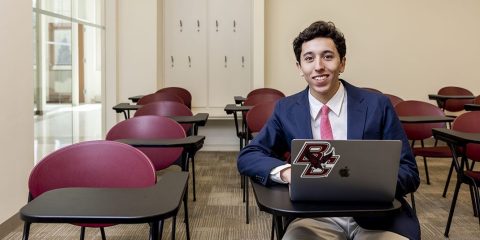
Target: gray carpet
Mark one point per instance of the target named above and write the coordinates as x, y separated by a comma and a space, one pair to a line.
219, 212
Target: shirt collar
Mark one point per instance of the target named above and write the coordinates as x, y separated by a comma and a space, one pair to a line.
335, 103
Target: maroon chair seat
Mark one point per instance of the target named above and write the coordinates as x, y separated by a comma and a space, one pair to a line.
91, 164
434, 152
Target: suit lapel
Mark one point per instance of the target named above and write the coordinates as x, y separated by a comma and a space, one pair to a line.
357, 112
301, 113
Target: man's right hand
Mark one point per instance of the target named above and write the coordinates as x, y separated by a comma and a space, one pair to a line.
286, 175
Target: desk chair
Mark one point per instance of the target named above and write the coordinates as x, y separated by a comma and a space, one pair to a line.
168, 108
155, 127
393, 99
455, 105
265, 90
183, 93
422, 131
467, 122
91, 164
255, 120
156, 97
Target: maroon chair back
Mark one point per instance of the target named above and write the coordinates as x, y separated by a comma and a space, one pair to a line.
418, 131
151, 127
92, 164
477, 100
156, 97
260, 98
265, 90
183, 93
258, 116
469, 122
455, 105
166, 109
393, 99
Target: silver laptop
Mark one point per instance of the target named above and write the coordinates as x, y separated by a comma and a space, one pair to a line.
344, 170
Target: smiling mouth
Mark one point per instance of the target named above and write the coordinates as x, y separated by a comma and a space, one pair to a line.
320, 77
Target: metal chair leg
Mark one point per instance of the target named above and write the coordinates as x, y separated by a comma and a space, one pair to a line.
246, 201
193, 178
174, 223
450, 171
102, 232
272, 233
82, 233
185, 206
452, 208
426, 170
412, 198
26, 230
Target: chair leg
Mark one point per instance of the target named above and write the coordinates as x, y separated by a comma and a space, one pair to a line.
174, 223
474, 201
246, 200
153, 231
426, 170
102, 232
452, 207
26, 230
243, 186
412, 198
272, 234
160, 229
185, 206
193, 179
450, 171
82, 233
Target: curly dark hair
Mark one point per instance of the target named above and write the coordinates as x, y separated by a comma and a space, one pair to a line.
320, 29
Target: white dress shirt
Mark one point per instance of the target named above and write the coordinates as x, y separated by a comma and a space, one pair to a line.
338, 120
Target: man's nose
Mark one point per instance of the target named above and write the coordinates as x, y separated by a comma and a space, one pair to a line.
318, 64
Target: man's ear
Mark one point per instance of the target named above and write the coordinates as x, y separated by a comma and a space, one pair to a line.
342, 64
299, 67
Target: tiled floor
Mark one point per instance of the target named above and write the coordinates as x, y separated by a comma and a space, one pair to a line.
64, 124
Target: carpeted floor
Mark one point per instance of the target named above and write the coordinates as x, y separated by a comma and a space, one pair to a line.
219, 212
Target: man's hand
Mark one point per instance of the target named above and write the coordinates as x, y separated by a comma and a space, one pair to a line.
286, 175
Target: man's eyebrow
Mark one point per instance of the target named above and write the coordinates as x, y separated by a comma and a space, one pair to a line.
321, 53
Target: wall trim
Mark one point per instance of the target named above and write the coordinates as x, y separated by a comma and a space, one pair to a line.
10, 225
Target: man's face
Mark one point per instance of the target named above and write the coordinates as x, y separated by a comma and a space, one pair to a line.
320, 65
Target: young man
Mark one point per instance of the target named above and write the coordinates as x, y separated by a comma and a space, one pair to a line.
352, 113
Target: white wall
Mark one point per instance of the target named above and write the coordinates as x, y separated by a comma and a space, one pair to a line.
131, 52
16, 120
409, 48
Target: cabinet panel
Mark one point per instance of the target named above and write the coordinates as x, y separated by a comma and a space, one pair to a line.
229, 50
185, 48
208, 49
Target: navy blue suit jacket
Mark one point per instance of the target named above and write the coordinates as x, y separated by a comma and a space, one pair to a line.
370, 116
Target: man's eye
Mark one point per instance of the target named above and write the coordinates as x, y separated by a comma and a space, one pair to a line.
308, 59
328, 57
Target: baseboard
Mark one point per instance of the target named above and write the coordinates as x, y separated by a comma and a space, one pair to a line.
219, 148
10, 225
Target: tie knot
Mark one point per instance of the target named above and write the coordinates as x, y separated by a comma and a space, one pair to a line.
324, 110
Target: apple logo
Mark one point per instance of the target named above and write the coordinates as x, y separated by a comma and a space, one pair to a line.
344, 172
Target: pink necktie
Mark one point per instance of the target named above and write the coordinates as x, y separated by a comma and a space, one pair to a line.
325, 127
